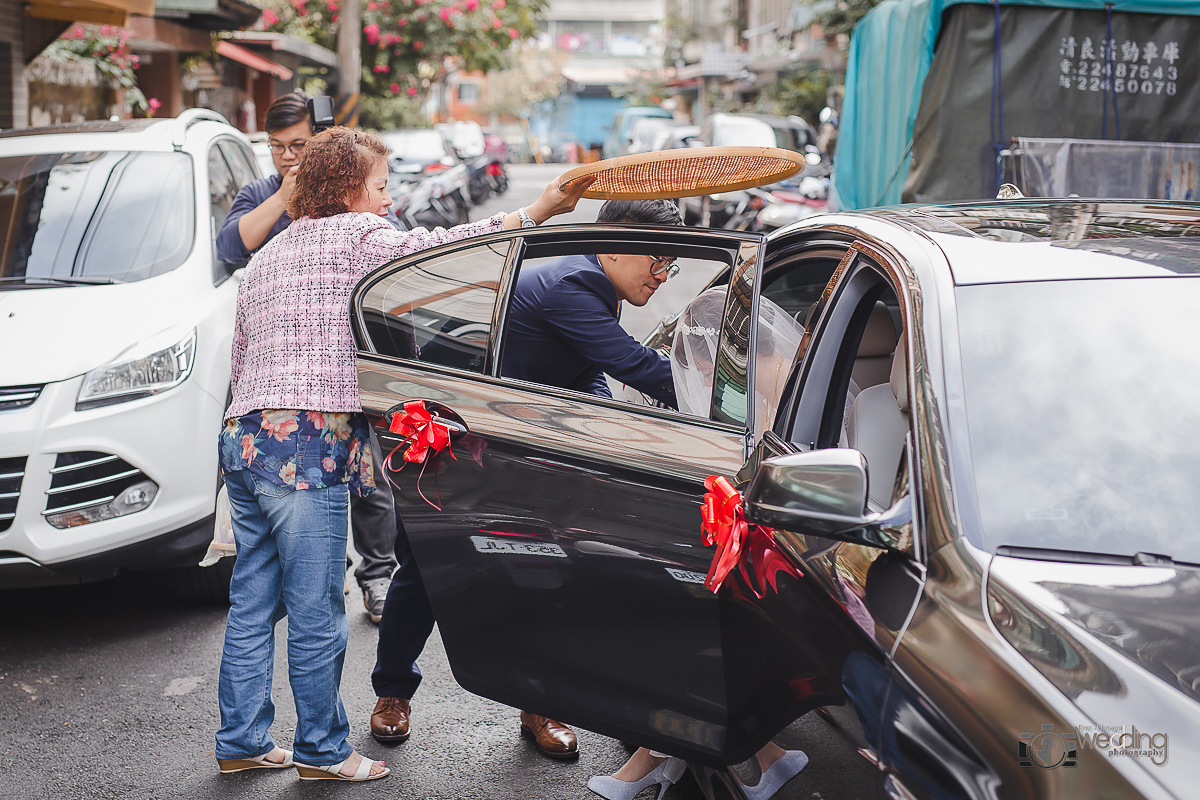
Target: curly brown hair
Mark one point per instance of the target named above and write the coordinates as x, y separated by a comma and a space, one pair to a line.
334, 171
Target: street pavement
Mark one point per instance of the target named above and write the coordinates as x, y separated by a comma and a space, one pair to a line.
108, 691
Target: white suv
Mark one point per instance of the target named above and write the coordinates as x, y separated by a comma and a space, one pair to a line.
116, 319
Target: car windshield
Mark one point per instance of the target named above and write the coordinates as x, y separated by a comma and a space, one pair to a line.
1082, 413
96, 216
756, 133
416, 145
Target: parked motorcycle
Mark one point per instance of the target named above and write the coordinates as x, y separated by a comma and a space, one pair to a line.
423, 157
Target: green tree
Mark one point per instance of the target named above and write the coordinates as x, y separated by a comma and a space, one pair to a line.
802, 93
407, 44
844, 15
532, 77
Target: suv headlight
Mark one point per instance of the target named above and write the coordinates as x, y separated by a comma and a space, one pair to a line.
122, 381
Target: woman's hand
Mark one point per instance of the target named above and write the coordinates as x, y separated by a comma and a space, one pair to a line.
555, 200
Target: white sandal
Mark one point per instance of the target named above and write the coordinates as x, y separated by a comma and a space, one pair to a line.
228, 765
333, 772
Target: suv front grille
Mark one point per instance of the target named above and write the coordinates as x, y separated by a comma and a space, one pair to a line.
88, 478
12, 471
13, 397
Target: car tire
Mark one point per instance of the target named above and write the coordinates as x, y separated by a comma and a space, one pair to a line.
207, 585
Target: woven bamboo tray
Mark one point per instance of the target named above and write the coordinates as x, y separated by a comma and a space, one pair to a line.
686, 172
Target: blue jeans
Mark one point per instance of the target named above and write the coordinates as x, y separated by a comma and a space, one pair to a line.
291, 559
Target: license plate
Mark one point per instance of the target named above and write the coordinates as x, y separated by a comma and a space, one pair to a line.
486, 544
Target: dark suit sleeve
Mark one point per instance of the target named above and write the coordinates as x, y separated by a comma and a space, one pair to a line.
576, 310
230, 248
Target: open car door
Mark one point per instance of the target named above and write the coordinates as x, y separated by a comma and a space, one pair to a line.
559, 534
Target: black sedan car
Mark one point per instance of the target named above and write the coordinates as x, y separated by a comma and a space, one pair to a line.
969, 547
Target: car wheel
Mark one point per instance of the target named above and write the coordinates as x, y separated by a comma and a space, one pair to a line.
207, 585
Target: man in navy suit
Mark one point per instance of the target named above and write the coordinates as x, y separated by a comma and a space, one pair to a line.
563, 327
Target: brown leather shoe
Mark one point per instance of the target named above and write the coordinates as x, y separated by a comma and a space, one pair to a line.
389, 720
552, 738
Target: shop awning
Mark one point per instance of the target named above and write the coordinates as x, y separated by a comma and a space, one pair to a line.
253, 60
101, 12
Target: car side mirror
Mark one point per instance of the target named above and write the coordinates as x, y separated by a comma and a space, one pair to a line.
824, 493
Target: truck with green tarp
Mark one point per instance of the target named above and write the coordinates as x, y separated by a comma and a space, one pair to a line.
943, 97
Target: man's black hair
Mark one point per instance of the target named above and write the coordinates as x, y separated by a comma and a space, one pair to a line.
648, 212
286, 111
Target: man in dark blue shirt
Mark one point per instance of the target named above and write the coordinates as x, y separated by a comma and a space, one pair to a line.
563, 324
258, 213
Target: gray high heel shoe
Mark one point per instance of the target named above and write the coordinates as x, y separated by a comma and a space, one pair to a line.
665, 774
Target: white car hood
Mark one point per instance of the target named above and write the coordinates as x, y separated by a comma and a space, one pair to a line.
53, 334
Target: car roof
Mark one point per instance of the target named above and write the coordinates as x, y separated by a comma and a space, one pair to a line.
163, 133
1059, 239
98, 126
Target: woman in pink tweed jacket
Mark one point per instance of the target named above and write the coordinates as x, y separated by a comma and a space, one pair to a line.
295, 443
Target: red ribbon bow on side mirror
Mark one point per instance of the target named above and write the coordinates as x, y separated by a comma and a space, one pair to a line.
723, 523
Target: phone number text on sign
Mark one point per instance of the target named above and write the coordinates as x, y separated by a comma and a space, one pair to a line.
1132, 67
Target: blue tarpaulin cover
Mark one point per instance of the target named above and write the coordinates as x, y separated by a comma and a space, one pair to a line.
890, 56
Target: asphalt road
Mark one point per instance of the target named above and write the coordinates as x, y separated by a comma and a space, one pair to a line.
108, 690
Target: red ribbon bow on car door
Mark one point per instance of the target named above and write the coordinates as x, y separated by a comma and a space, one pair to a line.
422, 433
738, 541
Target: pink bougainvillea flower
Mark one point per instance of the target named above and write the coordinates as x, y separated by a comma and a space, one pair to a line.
412, 91
496, 23
445, 15
154, 103
372, 32
331, 6
513, 33
372, 6
395, 87
498, 4
269, 17
418, 45
472, 5
401, 23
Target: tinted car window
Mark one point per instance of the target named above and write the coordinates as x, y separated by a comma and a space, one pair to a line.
1082, 413
239, 160
120, 215
438, 311
222, 187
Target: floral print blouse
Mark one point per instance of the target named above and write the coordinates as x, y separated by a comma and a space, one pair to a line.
301, 449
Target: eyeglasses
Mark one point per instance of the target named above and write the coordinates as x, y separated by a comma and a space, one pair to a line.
664, 264
295, 148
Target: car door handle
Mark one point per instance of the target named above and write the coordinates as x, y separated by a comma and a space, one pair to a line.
441, 415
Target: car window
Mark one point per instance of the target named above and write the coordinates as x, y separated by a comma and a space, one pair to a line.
438, 311
655, 324
222, 187
103, 214
239, 160
856, 340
